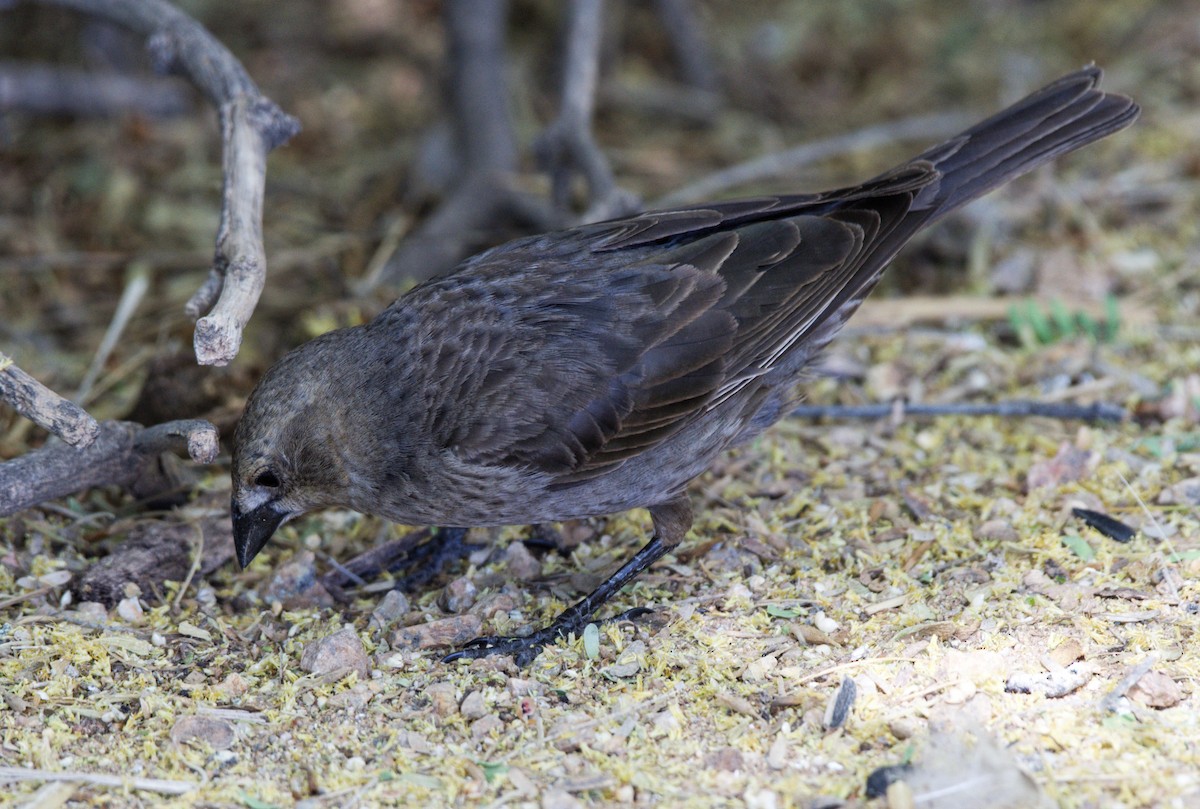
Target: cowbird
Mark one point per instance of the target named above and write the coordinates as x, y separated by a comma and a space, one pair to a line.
602, 368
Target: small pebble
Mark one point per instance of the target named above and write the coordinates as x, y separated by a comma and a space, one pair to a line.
824, 623
727, 759
777, 756
521, 564
92, 611
629, 662
482, 727
1156, 690
473, 706
56, 579
393, 605
217, 733
453, 631
997, 531
760, 798
840, 705
130, 611
1053, 684
442, 698
341, 650
458, 596
295, 585
560, 799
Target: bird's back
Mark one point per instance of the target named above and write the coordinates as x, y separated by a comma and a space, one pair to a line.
609, 364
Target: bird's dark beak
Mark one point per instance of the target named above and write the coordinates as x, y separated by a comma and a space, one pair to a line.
252, 529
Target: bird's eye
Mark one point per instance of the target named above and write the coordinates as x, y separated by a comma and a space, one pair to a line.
267, 479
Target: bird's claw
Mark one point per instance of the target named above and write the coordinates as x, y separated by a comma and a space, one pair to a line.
523, 650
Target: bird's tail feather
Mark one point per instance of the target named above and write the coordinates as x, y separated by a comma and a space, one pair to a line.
1060, 118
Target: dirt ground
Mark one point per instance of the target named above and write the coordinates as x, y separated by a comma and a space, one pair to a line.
1012, 653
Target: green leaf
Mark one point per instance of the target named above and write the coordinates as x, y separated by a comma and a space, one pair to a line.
776, 611
253, 802
591, 641
492, 769
420, 779
1112, 317
1064, 322
1184, 556
1079, 547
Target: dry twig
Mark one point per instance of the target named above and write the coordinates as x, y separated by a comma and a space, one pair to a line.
123, 454
566, 146
781, 164
486, 145
98, 779
46, 90
44, 407
251, 126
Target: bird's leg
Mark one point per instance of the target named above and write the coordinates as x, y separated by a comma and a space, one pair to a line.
671, 521
428, 559
544, 537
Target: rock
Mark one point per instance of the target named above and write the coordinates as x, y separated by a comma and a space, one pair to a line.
130, 611
1067, 652
760, 669
56, 579
217, 733
777, 757
521, 564
571, 731
234, 685
629, 662
728, 759
354, 698
1156, 690
473, 706
295, 585
494, 603
1185, 492
458, 596
560, 799
997, 531
442, 698
1053, 684
340, 651
453, 631
482, 727
392, 606
1068, 465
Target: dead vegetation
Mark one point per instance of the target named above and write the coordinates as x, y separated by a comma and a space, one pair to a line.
937, 563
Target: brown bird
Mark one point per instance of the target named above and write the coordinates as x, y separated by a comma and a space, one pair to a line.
602, 368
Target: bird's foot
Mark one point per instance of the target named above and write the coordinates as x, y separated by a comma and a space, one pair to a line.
525, 650
429, 559
573, 619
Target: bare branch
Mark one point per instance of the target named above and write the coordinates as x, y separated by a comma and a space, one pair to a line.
789, 161
46, 90
1100, 411
44, 407
98, 780
478, 90
155, 551
484, 193
251, 126
123, 454
692, 52
566, 146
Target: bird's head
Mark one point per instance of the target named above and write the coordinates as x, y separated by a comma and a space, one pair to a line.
287, 457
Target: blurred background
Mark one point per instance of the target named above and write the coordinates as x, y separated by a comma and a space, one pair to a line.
930, 559
88, 202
